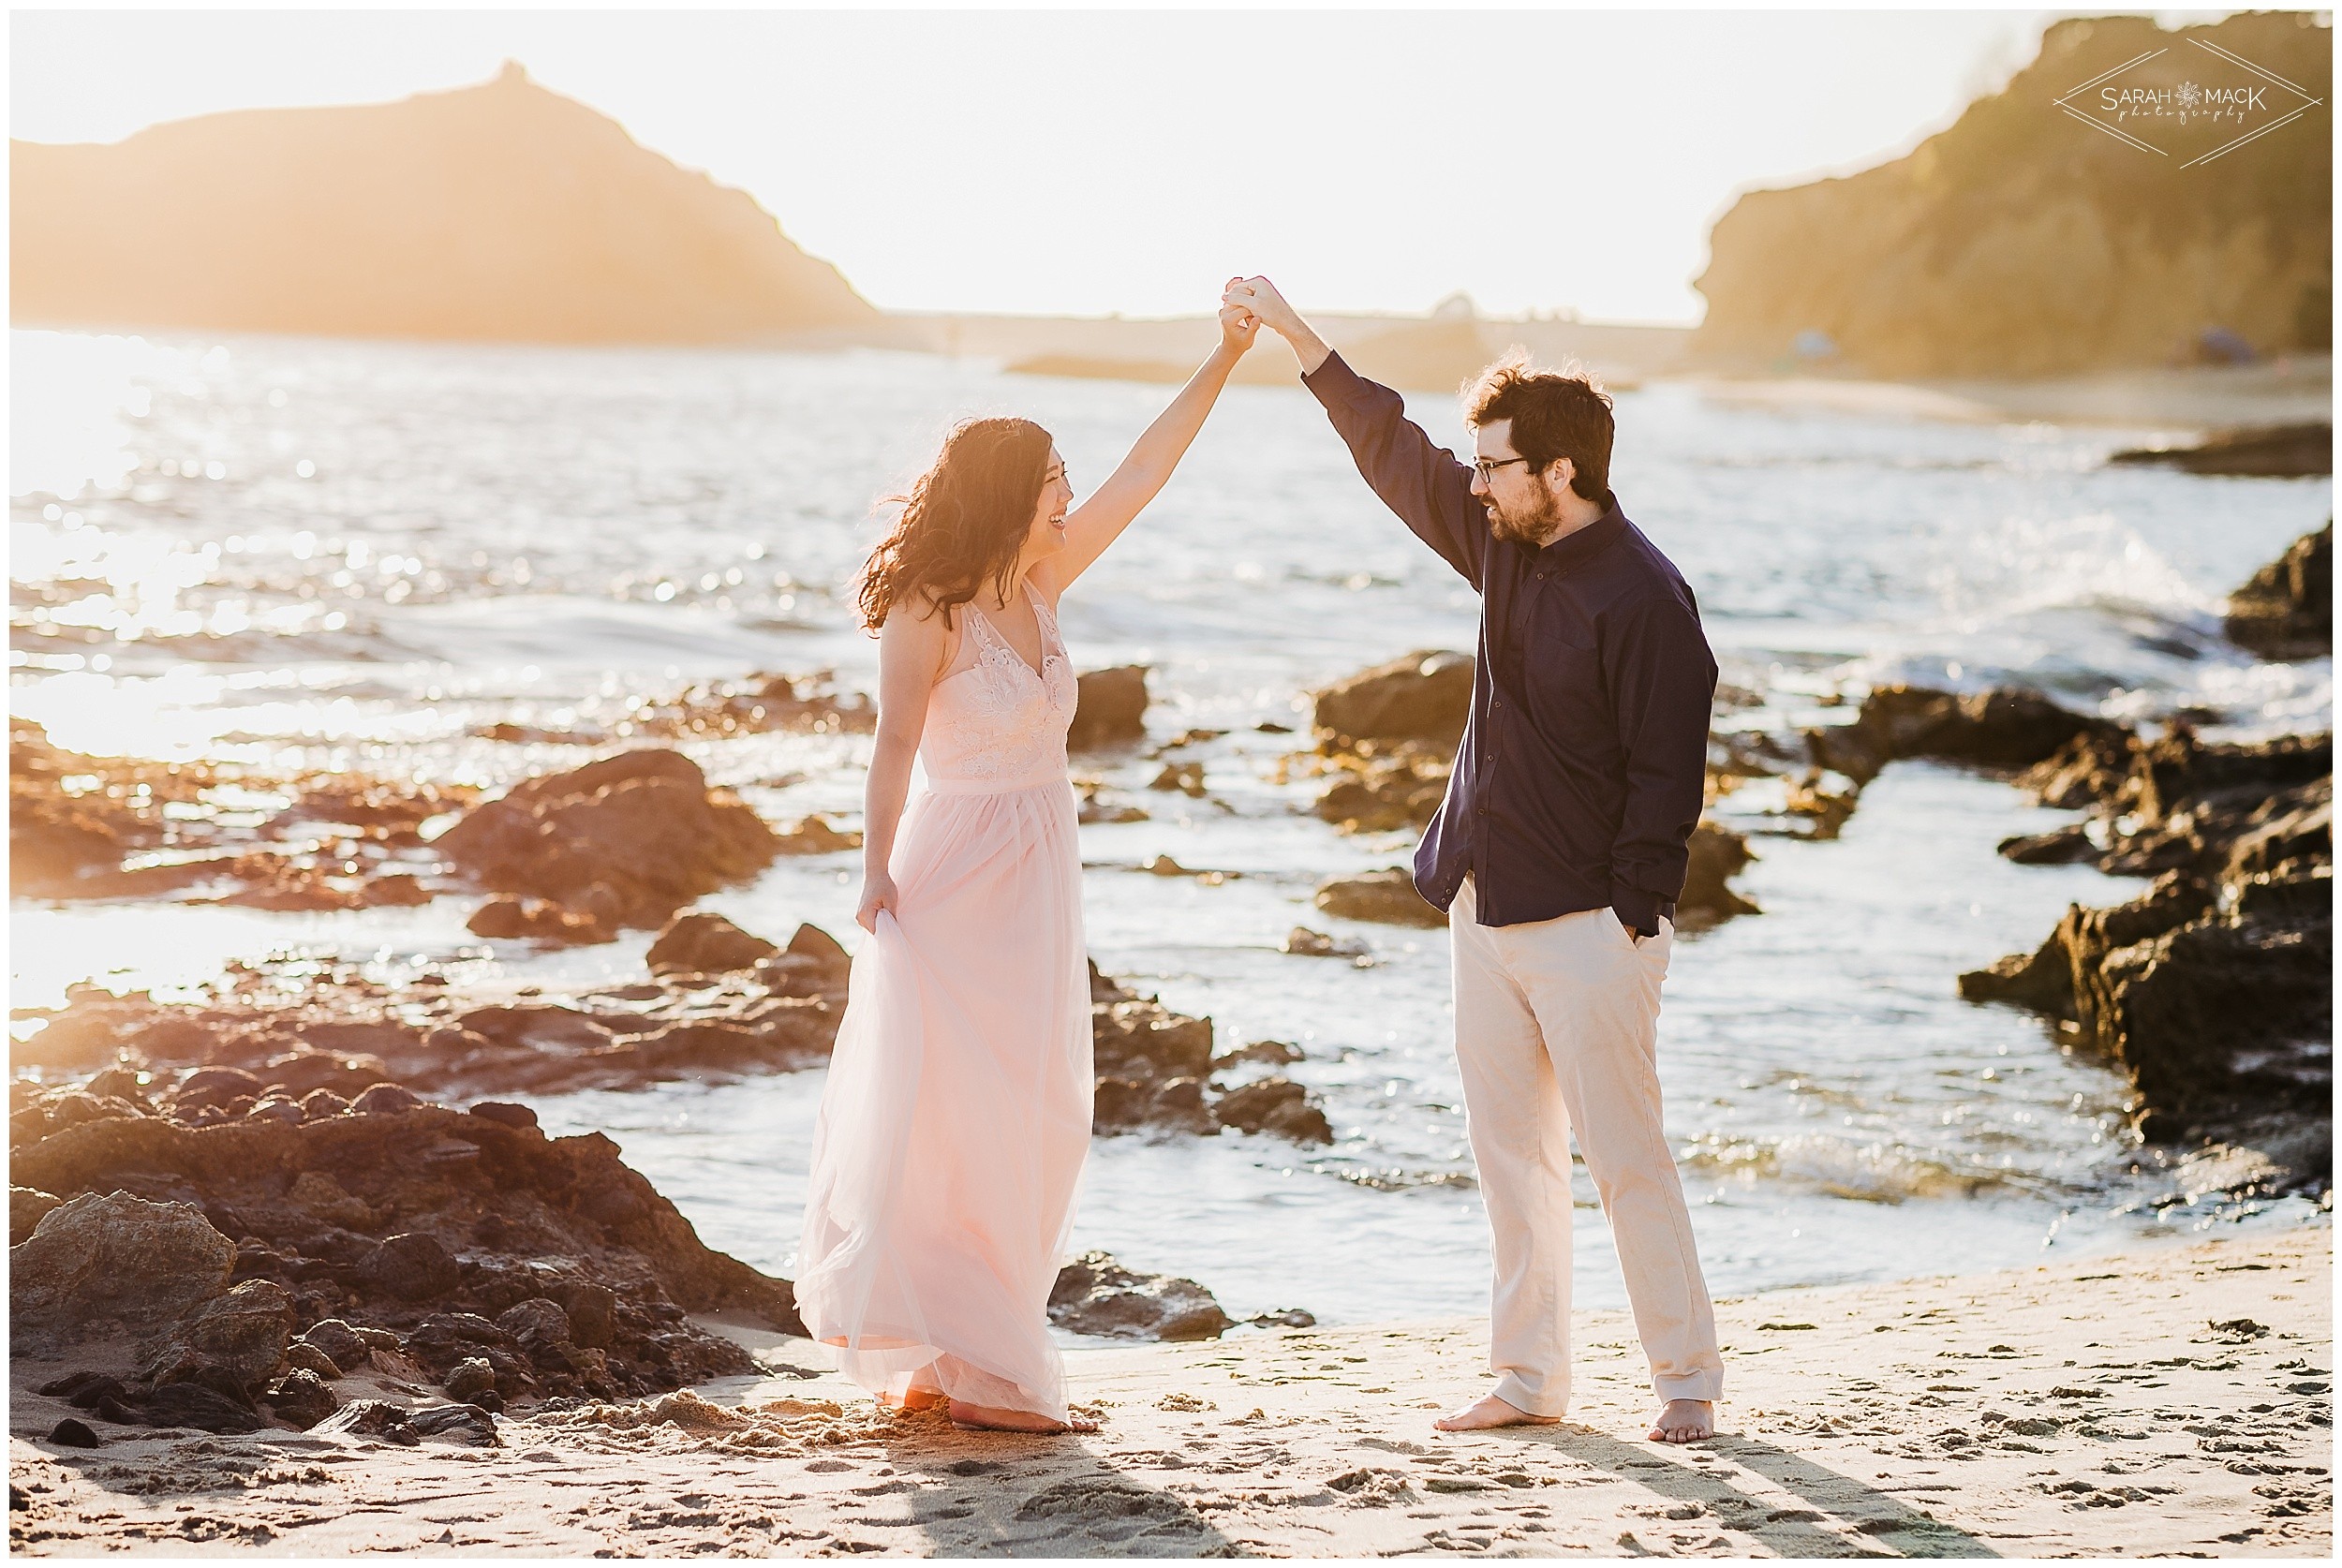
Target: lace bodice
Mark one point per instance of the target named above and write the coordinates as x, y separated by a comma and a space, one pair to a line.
993, 723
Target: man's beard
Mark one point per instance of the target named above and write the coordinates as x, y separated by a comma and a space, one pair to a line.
1533, 526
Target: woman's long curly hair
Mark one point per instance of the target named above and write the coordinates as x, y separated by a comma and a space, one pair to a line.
963, 522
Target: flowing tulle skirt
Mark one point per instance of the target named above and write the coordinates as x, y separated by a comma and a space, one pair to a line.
957, 1116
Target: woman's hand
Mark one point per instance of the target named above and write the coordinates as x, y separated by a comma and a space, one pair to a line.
1239, 327
878, 893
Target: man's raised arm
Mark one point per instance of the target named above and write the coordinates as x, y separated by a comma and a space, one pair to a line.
1417, 478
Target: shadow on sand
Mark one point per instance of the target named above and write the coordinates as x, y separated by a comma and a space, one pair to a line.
997, 1494
1834, 1499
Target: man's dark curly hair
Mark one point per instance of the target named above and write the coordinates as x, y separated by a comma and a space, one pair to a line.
1554, 416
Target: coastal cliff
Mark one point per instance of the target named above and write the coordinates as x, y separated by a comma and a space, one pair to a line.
2017, 242
500, 211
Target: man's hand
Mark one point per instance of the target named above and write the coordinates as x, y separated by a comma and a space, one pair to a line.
1259, 297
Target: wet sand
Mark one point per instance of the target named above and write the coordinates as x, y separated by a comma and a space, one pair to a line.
2174, 1400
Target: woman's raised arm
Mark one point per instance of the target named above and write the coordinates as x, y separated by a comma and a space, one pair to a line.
1100, 521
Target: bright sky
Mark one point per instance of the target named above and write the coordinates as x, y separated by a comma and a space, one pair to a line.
1084, 162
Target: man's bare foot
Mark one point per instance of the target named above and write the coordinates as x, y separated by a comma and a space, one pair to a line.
1492, 1411
990, 1418
1685, 1421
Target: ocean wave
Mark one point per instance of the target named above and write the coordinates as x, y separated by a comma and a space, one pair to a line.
1878, 1171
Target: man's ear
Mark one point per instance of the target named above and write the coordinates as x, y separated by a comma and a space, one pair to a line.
1560, 475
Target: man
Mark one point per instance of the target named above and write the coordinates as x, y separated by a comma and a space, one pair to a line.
1558, 851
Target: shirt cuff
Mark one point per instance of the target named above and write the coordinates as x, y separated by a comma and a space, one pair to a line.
1636, 910
1332, 372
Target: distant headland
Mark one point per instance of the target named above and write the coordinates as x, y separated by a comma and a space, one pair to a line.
499, 211
2020, 242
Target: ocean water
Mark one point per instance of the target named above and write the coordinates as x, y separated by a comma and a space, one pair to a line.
310, 553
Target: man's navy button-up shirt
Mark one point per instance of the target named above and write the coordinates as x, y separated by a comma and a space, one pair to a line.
1583, 764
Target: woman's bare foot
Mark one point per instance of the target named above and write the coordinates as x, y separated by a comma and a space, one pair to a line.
1685, 1421
1492, 1411
990, 1418
916, 1398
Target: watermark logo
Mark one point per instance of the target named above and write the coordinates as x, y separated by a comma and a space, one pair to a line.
2194, 107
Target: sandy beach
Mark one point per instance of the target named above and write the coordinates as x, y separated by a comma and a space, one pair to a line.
2175, 1401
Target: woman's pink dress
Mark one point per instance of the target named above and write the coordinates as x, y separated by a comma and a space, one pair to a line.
957, 1116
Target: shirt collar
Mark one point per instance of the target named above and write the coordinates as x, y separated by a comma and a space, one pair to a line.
1574, 550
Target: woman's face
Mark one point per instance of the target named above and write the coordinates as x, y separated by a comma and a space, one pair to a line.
1046, 536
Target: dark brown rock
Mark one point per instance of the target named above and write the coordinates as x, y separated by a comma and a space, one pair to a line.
339, 1342
108, 1255
2287, 609
1715, 854
1109, 708
471, 1377
643, 824
812, 964
2088, 770
1273, 1053
2265, 452
2002, 728
1096, 1295
1304, 942
301, 1355
2041, 979
1396, 785
409, 1267
2066, 846
508, 916
385, 1100
1186, 777
1277, 1105
1384, 897
1141, 1039
70, 1433
242, 1333
300, 1398
183, 1404
25, 1208
705, 943
373, 1418
1425, 695
506, 1114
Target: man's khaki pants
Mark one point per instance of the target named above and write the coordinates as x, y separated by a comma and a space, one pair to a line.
1557, 1027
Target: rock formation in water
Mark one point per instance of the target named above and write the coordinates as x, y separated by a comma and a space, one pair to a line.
1387, 739
2213, 990
500, 211
622, 842
2287, 609
2248, 451
2019, 241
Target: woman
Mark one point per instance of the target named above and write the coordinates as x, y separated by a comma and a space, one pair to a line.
957, 1116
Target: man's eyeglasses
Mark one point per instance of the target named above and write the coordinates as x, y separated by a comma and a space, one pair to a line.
1487, 467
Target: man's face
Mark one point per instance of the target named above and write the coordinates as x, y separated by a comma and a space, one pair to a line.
1522, 504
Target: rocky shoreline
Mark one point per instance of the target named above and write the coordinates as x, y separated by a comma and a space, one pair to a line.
2213, 990
262, 1206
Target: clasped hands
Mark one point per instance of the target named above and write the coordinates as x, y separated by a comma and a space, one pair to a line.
1246, 305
